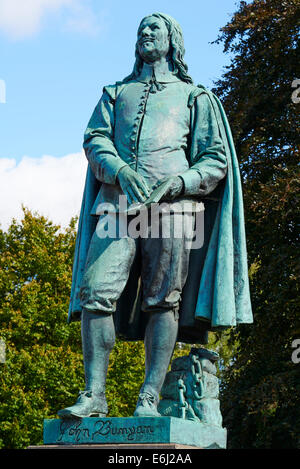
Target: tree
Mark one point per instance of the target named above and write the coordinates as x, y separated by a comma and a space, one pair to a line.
43, 370
261, 387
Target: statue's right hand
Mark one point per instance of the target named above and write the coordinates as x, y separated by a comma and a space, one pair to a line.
133, 185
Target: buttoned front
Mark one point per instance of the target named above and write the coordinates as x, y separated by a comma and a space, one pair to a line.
151, 129
149, 124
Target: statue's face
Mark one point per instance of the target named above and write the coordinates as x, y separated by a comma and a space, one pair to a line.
153, 40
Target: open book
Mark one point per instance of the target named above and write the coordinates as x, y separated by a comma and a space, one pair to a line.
155, 197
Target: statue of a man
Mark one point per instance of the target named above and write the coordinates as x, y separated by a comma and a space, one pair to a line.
155, 126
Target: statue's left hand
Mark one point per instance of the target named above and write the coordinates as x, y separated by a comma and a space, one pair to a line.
175, 188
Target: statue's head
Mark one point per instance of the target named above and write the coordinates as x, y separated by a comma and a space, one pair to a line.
153, 39
159, 35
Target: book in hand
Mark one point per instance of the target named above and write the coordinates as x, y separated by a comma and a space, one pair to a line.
155, 196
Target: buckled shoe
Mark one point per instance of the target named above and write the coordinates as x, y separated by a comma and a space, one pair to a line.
88, 404
146, 406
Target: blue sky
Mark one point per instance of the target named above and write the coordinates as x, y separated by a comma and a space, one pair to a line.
55, 58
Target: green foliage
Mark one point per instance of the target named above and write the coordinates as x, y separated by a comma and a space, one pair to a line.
43, 371
43, 364
261, 386
125, 377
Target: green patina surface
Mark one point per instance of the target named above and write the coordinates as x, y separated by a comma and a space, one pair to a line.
156, 127
133, 430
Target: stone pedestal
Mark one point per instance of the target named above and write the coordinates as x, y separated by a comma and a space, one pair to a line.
133, 431
121, 447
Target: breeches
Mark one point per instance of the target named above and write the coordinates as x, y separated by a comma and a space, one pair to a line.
164, 263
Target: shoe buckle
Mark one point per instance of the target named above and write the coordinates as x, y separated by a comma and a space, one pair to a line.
146, 398
85, 394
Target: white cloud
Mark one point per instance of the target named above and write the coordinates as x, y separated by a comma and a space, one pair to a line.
20, 19
52, 186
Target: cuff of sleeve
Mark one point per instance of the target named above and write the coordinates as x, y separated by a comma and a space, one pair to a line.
115, 168
191, 180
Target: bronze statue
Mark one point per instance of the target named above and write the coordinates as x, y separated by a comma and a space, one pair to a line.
156, 127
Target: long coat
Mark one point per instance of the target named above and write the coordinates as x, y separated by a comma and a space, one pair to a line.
216, 293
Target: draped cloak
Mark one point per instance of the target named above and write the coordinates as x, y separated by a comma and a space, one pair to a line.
216, 294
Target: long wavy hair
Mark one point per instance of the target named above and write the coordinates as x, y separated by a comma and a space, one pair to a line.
176, 52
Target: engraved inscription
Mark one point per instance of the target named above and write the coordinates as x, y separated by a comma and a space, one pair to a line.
101, 429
